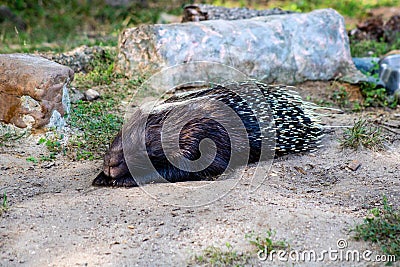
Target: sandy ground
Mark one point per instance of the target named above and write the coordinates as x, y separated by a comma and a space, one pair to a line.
56, 218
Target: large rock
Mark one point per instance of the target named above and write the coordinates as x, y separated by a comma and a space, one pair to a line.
33, 91
280, 48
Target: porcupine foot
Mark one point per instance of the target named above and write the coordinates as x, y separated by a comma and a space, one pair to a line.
104, 180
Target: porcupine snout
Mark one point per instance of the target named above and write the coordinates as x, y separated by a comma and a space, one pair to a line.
114, 165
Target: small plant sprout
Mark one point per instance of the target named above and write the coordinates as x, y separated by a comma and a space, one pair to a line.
4, 203
267, 243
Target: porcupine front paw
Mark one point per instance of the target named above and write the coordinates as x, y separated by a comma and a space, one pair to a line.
124, 181
102, 180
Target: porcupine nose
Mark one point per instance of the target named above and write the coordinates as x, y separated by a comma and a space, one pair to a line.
114, 165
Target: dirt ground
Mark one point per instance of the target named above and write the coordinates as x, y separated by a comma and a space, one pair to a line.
57, 218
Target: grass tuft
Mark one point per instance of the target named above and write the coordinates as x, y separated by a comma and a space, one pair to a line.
364, 135
215, 256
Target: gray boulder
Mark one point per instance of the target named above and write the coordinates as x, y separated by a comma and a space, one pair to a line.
280, 48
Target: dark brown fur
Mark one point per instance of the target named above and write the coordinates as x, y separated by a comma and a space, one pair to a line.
115, 169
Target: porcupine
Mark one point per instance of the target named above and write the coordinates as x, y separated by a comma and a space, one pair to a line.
296, 129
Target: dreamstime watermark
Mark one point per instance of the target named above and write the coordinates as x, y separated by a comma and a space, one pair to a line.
339, 254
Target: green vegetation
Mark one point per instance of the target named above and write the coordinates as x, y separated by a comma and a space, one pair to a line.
375, 96
59, 25
53, 145
341, 97
4, 203
363, 134
102, 71
9, 134
371, 48
350, 8
383, 228
267, 243
372, 96
214, 256
97, 124
32, 159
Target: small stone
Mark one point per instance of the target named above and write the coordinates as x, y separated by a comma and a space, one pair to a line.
354, 165
300, 170
48, 165
91, 95
313, 190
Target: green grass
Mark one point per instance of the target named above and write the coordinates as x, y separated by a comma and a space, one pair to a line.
9, 134
97, 124
215, 256
69, 23
102, 71
371, 48
54, 145
350, 8
381, 227
32, 159
373, 96
60, 25
364, 135
4, 203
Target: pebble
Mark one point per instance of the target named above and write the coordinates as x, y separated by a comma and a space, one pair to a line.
91, 95
354, 165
